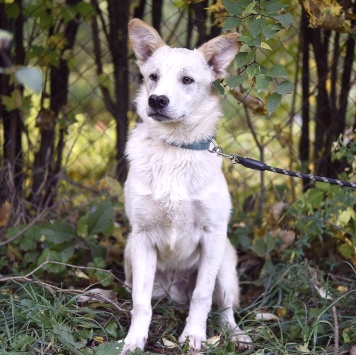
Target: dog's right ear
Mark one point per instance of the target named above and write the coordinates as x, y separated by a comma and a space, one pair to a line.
144, 40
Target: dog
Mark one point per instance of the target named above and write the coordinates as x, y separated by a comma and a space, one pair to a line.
176, 196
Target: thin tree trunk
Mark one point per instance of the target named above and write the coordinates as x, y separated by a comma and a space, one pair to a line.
12, 120
118, 19
157, 14
48, 159
304, 150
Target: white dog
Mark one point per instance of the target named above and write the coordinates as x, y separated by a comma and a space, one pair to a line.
176, 196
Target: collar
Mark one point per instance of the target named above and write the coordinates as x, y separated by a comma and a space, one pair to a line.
200, 145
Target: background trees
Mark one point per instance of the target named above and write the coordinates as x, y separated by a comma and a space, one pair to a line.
62, 163
84, 45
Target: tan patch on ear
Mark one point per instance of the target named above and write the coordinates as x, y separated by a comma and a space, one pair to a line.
220, 52
144, 40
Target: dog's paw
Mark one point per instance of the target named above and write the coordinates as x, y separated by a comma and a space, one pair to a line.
194, 337
131, 343
243, 341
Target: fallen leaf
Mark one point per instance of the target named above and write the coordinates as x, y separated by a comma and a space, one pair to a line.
168, 344
265, 316
323, 294
214, 340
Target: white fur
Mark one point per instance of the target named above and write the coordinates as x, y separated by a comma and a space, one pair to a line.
177, 199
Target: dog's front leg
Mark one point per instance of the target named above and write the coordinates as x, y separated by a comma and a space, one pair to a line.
143, 261
200, 304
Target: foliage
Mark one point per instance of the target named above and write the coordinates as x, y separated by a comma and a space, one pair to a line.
325, 221
260, 22
33, 320
31, 78
329, 15
55, 243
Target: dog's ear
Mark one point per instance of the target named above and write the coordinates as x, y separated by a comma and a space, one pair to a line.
144, 40
220, 52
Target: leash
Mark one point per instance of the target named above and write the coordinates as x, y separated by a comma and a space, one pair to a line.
260, 166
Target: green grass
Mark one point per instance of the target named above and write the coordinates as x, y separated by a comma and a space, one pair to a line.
36, 320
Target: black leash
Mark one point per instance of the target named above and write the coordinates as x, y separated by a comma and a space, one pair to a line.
260, 166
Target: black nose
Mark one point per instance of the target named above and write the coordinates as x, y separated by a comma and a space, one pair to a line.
157, 102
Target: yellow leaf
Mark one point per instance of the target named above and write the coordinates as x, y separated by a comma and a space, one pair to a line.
266, 46
214, 340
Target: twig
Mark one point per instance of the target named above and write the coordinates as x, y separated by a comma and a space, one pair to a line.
27, 227
51, 288
22, 277
336, 327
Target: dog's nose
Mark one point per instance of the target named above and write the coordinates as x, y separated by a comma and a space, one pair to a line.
157, 102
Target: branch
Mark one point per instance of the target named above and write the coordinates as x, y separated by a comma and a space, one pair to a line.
27, 227
12, 278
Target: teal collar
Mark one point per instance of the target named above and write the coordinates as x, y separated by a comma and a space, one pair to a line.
200, 145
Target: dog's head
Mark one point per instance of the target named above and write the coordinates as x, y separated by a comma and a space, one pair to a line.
177, 81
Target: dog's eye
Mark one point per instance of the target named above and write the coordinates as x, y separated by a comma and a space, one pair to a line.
187, 80
153, 77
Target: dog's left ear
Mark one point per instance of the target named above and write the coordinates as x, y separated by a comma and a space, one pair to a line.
220, 52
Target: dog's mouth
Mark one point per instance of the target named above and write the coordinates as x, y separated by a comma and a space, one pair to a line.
160, 117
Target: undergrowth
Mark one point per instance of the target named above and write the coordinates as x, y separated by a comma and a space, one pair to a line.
298, 281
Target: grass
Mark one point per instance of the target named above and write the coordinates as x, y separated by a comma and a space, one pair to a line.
37, 320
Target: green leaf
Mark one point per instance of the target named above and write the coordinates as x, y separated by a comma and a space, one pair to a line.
101, 219
112, 348
232, 8
251, 71
277, 71
270, 30
286, 20
257, 26
241, 59
232, 23
255, 42
250, 9
259, 247
217, 86
273, 102
111, 329
251, 55
314, 197
346, 250
46, 20
31, 78
12, 10
262, 82
271, 243
82, 226
50, 255
235, 81
274, 6
285, 87
85, 9
58, 232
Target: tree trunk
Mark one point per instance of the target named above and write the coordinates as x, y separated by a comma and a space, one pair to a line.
48, 160
304, 150
118, 19
11, 178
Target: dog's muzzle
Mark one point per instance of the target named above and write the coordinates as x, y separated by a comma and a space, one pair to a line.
158, 105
